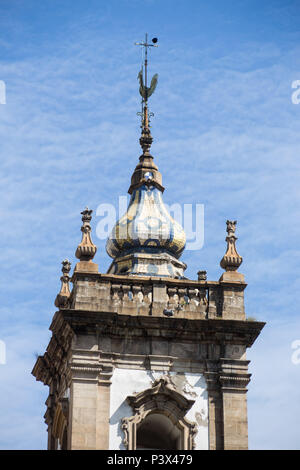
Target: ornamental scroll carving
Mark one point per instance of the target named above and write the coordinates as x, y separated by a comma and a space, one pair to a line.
161, 398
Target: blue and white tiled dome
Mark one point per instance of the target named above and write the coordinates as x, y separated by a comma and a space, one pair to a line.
146, 241
146, 227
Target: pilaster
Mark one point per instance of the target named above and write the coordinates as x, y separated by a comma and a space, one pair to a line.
234, 380
215, 411
90, 404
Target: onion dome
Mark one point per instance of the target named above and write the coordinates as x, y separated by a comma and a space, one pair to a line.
147, 226
146, 240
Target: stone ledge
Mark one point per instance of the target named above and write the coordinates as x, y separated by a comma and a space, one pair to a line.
208, 330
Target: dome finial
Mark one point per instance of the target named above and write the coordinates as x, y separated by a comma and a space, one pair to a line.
146, 92
62, 298
231, 260
86, 249
146, 137
146, 171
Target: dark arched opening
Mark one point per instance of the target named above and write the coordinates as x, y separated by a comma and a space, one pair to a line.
64, 444
157, 431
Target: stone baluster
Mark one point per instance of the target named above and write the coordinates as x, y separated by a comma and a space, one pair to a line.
214, 299
127, 297
137, 294
193, 295
147, 292
203, 303
173, 298
127, 293
145, 306
115, 289
181, 298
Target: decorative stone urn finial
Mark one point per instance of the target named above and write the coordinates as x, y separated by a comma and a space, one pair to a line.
86, 250
231, 260
62, 298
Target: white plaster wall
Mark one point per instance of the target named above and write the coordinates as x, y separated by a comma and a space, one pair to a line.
128, 381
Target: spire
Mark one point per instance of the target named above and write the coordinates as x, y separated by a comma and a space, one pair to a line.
62, 298
146, 172
146, 240
231, 260
146, 91
146, 138
86, 249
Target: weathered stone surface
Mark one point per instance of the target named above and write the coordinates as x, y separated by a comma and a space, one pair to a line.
88, 345
151, 324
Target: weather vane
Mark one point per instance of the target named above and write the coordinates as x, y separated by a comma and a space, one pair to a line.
146, 91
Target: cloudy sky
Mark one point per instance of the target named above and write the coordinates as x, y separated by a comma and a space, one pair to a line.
226, 135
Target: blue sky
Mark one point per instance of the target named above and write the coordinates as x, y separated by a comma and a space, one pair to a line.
226, 134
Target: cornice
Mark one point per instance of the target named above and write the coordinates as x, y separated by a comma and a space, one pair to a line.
234, 382
216, 330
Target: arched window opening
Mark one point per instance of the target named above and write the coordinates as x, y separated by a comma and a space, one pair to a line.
157, 431
60, 425
159, 420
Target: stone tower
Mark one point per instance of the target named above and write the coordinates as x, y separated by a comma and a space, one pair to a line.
142, 357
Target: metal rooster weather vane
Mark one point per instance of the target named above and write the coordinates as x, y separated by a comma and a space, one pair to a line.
146, 91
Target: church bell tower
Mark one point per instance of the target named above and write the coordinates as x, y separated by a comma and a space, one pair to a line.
142, 357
